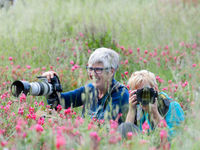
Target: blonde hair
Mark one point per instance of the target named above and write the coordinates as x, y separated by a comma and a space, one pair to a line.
142, 78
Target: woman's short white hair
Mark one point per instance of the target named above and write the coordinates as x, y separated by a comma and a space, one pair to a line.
108, 57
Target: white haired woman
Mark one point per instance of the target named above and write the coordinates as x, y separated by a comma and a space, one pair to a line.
104, 93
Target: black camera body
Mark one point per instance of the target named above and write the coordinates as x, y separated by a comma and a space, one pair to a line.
146, 95
51, 90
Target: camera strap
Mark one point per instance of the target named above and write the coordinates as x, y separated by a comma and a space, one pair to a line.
163, 103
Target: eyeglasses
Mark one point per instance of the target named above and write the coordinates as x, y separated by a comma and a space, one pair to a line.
96, 70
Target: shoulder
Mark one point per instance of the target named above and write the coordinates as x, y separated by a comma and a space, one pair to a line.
119, 92
175, 105
163, 95
176, 111
118, 87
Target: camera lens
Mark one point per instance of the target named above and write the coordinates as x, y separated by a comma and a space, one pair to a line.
40, 88
18, 87
34, 88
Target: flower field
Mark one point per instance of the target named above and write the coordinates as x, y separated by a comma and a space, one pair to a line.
37, 36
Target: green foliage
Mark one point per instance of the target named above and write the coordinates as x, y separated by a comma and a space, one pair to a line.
48, 35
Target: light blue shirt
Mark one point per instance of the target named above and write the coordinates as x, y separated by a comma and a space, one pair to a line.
174, 117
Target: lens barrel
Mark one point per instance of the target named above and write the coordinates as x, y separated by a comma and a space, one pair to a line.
40, 88
33, 88
18, 87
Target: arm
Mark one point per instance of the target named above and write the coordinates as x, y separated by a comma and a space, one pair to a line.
174, 117
132, 107
75, 98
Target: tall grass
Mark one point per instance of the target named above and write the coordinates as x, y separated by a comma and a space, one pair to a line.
160, 36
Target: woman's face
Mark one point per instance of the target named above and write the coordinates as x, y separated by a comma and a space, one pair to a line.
100, 75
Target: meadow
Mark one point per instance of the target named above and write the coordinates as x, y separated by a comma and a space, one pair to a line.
36, 36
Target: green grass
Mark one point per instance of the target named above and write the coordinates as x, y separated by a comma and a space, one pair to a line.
35, 33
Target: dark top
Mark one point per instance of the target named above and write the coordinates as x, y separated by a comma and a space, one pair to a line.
113, 103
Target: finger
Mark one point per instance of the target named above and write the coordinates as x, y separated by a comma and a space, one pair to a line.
134, 103
51, 75
48, 78
132, 92
133, 98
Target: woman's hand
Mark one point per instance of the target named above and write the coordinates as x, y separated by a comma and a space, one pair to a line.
132, 100
49, 75
132, 107
153, 110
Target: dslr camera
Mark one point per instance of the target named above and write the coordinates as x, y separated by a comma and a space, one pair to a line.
51, 90
146, 95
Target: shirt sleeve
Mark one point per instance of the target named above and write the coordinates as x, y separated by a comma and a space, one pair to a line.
174, 117
75, 98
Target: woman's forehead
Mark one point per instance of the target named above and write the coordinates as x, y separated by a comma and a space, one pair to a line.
97, 64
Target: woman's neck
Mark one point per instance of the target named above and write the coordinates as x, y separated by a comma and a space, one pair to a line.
102, 92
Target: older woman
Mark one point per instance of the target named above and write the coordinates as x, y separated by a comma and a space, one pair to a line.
104, 97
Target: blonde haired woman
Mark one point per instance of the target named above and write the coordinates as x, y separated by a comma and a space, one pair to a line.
147, 104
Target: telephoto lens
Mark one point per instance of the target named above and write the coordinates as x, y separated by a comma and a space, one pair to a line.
33, 88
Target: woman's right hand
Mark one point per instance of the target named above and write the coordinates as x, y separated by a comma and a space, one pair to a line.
132, 100
49, 75
132, 107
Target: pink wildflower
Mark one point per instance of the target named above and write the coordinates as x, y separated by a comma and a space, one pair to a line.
163, 134
41, 103
4, 143
28, 66
41, 121
60, 141
122, 48
138, 50
194, 65
126, 73
10, 58
94, 136
126, 61
43, 68
145, 127
38, 128
89, 51
21, 111
162, 124
72, 62
145, 61
81, 34
130, 51
129, 135
22, 98
113, 124
59, 108
18, 128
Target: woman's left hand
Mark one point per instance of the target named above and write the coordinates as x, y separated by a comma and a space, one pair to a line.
153, 111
